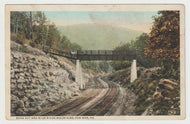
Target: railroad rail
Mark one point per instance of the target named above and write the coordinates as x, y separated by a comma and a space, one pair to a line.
66, 108
105, 103
99, 108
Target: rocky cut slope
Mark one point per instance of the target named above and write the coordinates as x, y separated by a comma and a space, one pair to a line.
38, 81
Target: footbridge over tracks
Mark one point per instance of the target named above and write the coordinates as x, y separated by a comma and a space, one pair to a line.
103, 55
93, 55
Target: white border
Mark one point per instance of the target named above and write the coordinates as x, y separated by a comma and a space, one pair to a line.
187, 45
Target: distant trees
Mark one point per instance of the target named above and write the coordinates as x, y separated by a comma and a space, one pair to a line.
140, 45
135, 47
96, 66
117, 65
33, 28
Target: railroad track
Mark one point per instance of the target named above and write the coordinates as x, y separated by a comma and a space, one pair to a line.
106, 102
99, 108
98, 84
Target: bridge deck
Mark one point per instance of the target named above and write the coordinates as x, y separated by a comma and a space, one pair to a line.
92, 54
103, 55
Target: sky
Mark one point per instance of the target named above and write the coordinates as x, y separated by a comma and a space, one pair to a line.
139, 21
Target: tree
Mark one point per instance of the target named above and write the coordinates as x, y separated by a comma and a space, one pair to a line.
163, 41
39, 27
20, 25
35, 29
139, 45
51, 38
31, 30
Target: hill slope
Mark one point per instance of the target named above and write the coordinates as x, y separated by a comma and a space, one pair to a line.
91, 36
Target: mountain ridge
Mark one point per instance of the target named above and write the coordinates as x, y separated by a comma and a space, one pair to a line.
93, 36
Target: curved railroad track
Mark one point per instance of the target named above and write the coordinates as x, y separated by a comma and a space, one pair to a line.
105, 103
100, 106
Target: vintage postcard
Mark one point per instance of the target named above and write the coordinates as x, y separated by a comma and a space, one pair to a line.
95, 62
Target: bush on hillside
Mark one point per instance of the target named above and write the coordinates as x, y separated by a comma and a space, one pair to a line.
118, 65
24, 49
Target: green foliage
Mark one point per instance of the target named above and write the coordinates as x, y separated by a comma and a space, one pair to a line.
97, 66
75, 46
143, 89
122, 76
104, 66
127, 47
91, 65
118, 65
169, 103
163, 107
34, 27
139, 45
65, 44
20, 23
170, 70
30, 25
137, 48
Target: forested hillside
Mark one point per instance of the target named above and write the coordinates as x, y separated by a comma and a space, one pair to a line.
34, 29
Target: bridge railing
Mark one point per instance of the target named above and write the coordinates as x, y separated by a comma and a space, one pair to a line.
104, 55
58, 52
90, 54
102, 52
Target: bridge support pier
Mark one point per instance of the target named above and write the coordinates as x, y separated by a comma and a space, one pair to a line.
133, 71
79, 76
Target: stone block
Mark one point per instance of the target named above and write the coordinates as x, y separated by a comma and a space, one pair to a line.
20, 104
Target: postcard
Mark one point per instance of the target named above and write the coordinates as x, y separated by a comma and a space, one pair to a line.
95, 62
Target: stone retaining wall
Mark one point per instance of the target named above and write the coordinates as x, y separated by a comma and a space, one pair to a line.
38, 81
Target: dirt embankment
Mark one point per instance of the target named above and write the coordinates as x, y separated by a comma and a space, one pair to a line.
152, 95
38, 80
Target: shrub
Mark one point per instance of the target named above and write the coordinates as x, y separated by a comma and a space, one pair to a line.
20, 39
118, 65
24, 49
13, 36
26, 41
32, 44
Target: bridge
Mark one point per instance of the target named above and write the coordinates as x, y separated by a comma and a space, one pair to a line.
92, 55
103, 55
